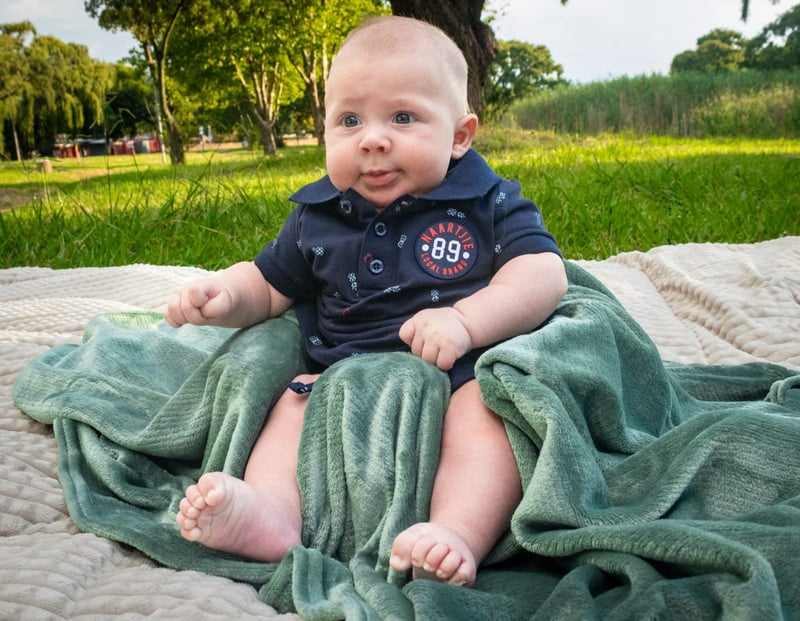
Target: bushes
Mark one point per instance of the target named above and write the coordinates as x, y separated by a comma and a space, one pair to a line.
770, 113
747, 104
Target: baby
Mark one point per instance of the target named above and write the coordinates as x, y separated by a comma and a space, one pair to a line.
410, 242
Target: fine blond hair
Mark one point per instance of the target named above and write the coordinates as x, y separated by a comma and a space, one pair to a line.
389, 35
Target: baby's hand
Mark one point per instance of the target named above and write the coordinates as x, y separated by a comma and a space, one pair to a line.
437, 335
202, 302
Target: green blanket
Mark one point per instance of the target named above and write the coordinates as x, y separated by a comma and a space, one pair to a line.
652, 490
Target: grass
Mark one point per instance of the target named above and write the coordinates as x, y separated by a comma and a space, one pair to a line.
754, 104
599, 196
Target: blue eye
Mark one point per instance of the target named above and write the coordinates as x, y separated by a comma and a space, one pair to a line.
403, 118
350, 120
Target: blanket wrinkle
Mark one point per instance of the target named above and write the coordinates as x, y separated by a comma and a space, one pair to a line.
651, 488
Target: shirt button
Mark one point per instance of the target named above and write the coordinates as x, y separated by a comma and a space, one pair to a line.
376, 266
380, 229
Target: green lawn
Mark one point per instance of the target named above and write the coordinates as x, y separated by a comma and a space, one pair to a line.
599, 196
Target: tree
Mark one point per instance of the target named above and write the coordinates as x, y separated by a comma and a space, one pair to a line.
518, 70
48, 88
237, 52
152, 23
776, 47
719, 50
14, 73
127, 112
259, 64
778, 44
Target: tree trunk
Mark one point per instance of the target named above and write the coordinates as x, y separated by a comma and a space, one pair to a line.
156, 61
176, 155
266, 131
309, 75
317, 112
16, 140
259, 101
461, 20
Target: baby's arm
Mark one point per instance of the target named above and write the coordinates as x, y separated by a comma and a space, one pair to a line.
520, 296
237, 297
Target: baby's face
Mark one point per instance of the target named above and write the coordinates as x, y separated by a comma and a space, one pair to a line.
391, 127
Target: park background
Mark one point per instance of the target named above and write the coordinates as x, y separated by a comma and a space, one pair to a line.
707, 151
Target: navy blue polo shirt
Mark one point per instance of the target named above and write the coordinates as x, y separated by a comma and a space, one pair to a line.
357, 274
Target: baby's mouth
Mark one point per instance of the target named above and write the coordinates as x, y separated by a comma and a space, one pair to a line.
379, 177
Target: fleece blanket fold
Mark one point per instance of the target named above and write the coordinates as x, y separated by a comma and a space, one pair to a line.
651, 489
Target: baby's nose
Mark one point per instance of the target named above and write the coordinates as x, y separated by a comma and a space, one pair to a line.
375, 137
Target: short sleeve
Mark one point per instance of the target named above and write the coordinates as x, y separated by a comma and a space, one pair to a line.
283, 264
519, 226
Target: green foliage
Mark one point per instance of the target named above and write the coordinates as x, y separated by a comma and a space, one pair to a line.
48, 87
14, 72
776, 47
152, 23
213, 61
599, 196
679, 105
770, 113
128, 109
257, 56
519, 69
719, 50
778, 44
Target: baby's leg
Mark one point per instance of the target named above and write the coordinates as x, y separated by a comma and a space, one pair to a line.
476, 490
258, 517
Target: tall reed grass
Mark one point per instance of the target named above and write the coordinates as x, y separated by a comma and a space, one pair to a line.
745, 104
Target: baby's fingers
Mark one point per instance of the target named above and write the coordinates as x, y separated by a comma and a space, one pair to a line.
174, 315
407, 332
188, 305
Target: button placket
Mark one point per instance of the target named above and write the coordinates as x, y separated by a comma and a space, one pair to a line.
375, 265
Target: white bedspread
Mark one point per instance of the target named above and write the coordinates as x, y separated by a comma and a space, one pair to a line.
701, 303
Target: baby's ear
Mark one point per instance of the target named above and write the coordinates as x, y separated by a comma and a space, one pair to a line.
464, 134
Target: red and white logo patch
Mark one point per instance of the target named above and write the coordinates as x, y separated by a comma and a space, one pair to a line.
446, 249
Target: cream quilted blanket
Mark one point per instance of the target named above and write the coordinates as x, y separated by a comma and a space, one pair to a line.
706, 303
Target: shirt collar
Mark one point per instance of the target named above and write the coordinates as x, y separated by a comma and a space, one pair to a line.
469, 178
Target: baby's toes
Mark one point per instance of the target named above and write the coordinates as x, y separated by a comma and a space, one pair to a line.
449, 565
434, 555
427, 551
196, 498
187, 511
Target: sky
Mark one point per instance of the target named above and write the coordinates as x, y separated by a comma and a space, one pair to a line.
593, 40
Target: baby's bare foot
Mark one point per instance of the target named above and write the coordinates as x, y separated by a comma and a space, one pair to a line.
434, 551
227, 514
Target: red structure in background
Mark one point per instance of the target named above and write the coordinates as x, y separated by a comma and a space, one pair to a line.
83, 147
67, 150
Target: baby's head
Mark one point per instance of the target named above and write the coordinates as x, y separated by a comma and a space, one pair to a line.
396, 109
390, 37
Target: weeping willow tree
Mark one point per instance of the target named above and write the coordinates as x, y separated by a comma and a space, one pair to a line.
48, 88
14, 85
68, 89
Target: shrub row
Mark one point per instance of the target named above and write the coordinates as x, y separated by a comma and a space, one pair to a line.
745, 104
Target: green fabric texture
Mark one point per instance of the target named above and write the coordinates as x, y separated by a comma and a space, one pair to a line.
651, 489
